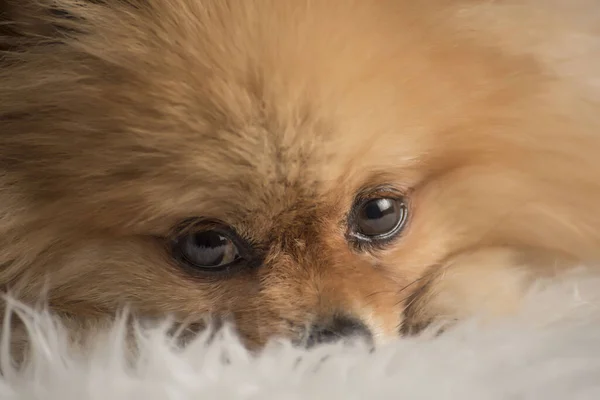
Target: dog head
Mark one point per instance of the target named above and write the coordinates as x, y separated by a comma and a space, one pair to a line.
293, 165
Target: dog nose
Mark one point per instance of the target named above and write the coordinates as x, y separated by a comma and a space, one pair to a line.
338, 328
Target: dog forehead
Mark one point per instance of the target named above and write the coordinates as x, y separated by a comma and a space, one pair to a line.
266, 147
226, 100
284, 155
193, 116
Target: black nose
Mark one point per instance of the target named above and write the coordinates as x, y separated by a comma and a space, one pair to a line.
336, 329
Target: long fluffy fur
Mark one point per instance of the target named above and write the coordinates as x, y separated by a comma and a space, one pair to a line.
122, 119
548, 351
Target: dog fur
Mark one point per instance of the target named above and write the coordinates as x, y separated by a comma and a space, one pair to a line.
119, 119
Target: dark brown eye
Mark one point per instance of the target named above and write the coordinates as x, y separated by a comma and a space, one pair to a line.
380, 218
208, 250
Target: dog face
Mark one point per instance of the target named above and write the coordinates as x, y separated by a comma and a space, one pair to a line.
296, 166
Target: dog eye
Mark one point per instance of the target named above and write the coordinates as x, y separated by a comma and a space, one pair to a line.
207, 250
380, 218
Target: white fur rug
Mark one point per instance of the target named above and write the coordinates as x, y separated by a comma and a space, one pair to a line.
550, 351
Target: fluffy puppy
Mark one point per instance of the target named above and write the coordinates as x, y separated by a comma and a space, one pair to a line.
310, 169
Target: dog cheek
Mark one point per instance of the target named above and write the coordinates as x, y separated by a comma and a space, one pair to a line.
486, 283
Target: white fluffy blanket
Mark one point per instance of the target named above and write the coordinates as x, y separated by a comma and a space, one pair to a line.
550, 351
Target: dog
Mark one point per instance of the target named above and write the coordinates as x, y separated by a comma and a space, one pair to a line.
310, 170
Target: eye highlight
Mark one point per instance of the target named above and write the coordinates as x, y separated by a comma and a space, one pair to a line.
378, 219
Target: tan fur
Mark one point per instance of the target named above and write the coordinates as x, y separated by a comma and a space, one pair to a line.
270, 115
